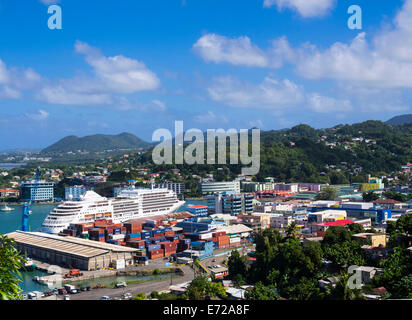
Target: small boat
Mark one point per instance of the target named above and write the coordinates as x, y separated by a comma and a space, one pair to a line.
6, 208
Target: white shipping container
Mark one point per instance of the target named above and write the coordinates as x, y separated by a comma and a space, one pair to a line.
206, 236
234, 240
118, 236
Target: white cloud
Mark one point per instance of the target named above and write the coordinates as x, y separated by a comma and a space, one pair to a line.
118, 74
270, 94
13, 81
210, 117
236, 51
61, 94
111, 75
39, 115
159, 104
323, 104
4, 73
306, 8
276, 96
242, 52
9, 93
384, 61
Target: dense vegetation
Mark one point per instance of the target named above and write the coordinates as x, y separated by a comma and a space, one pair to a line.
97, 143
284, 267
10, 264
339, 155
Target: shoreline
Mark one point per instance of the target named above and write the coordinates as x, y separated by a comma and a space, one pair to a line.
87, 275
19, 204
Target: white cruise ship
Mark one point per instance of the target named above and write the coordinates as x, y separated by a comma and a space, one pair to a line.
130, 204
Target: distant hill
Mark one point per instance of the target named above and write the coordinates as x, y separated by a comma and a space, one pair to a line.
399, 120
98, 143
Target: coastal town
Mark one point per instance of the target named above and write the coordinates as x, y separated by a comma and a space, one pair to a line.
223, 217
205, 159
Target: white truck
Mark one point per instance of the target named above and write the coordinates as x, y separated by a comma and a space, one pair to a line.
34, 295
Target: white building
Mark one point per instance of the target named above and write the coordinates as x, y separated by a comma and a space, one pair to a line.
218, 187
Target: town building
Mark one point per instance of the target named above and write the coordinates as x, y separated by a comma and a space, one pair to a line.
256, 221
9, 193
177, 187
210, 188
44, 192
75, 192
230, 203
90, 180
71, 252
198, 210
372, 239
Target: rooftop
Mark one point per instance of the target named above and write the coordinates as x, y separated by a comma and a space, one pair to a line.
71, 245
336, 223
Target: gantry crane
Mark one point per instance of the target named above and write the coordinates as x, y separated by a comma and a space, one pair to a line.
27, 206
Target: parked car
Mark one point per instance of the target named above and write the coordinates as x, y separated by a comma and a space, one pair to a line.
32, 295
88, 288
66, 297
121, 285
214, 260
126, 296
106, 298
62, 291
74, 291
83, 289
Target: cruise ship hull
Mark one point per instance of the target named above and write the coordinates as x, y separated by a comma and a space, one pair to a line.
129, 206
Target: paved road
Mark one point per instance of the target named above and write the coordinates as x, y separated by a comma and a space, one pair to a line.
134, 289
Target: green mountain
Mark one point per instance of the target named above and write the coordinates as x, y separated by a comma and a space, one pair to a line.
98, 143
400, 120
338, 155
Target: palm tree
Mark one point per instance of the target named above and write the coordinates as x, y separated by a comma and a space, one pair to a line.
292, 231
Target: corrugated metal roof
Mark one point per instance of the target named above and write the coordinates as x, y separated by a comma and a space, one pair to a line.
70, 245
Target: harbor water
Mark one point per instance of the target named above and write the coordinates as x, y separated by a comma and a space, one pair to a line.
12, 220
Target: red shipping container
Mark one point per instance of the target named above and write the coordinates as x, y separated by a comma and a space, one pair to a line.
159, 235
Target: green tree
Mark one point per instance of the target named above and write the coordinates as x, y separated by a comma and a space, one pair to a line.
370, 196
327, 193
237, 266
356, 228
337, 178
342, 291
395, 196
292, 231
201, 288
262, 292
140, 296
10, 263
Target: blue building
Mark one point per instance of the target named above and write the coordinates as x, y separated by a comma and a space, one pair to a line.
44, 192
377, 215
230, 203
198, 210
197, 225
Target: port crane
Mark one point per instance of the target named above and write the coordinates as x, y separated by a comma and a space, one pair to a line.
27, 206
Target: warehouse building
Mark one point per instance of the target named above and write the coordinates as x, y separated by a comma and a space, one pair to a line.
71, 252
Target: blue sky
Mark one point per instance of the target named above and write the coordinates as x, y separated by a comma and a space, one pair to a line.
137, 66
